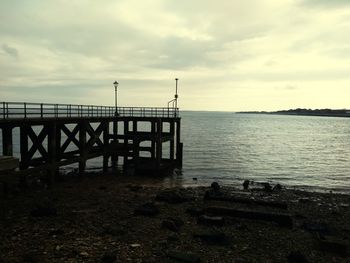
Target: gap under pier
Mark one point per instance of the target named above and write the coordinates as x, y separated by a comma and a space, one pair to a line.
55, 135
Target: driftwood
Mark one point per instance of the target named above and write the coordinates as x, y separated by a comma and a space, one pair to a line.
279, 218
229, 198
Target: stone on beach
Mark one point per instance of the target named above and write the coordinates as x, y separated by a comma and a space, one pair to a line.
246, 184
147, 209
213, 238
183, 257
173, 224
211, 220
174, 196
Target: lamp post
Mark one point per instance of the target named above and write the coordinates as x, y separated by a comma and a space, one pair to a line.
176, 96
116, 97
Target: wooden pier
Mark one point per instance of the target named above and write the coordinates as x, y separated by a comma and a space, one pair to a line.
55, 135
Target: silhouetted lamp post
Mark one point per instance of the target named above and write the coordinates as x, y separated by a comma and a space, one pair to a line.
116, 97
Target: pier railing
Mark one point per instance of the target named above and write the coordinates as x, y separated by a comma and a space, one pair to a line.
23, 110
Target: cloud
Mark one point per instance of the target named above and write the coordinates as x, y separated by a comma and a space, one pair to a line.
224, 49
10, 50
325, 3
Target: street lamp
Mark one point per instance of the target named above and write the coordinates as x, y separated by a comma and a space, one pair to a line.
116, 97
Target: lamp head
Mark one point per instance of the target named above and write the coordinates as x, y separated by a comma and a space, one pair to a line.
116, 84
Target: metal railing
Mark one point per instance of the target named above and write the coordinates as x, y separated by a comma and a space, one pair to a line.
23, 110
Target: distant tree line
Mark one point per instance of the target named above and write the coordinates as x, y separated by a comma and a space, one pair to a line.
307, 112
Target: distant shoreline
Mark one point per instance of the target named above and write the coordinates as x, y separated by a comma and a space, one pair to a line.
305, 112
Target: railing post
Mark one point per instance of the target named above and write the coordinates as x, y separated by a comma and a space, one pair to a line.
25, 110
3, 110
41, 110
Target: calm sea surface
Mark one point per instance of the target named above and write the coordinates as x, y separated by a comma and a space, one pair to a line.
302, 151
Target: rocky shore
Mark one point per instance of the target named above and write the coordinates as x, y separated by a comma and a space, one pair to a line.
115, 219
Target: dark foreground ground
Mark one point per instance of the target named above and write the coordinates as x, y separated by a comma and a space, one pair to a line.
109, 219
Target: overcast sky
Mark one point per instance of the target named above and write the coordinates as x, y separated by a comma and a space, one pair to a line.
228, 54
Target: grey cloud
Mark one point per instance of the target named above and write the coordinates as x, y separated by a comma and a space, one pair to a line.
10, 50
325, 3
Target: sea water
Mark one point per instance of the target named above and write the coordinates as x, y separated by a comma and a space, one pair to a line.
296, 151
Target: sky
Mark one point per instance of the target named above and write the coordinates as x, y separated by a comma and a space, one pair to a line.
229, 55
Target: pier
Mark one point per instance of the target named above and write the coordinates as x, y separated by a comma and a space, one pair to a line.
55, 135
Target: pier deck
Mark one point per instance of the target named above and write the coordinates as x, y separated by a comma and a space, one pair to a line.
55, 135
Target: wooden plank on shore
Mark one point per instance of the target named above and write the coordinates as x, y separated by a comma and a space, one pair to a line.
248, 201
282, 219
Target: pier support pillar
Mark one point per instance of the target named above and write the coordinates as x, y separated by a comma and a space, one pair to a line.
179, 145
52, 152
115, 156
105, 143
7, 141
159, 144
126, 136
172, 142
82, 141
153, 140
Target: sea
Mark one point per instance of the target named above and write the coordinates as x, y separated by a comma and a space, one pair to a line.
301, 152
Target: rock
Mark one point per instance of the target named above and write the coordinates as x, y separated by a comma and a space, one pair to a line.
135, 245
173, 238
117, 230
213, 238
135, 188
320, 228
211, 220
84, 254
183, 256
173, 224
43, 211
343, 205
296, 257
30, 258
333, 245
304, 200
109, 257
147, 209
277, 187
212, 194
174, 196
215, 186
168, 224
246, 184
194, 179
56, 232
194, 211
267, 187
